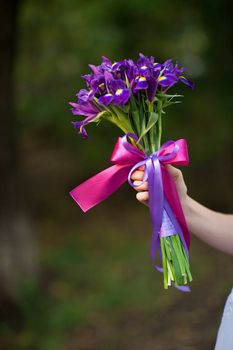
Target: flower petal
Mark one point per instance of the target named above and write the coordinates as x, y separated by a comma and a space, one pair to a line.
141, 84
85, 95
87, 109
187, 82
167, 80
121, 96
106, 99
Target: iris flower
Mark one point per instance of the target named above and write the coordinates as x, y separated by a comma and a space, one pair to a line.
84, 108
116, 83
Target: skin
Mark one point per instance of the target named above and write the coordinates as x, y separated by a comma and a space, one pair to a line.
214, 228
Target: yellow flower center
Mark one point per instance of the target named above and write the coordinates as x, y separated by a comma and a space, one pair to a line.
118, 92
161, 78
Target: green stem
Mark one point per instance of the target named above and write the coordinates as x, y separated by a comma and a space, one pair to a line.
144, 120
151, 131
164, 261
120, 120
159, 123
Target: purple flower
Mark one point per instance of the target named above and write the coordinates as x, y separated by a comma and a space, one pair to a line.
116, 66
80, 126
152, 86
145, 74
106, 63
87, 109
149, 72
140, 83
98, 85
187, 82
117, 91
144, 70
144, 61
106, 99
84, 95
96, 69
114, 83
173, 74
167, 80
88, 78
157, 66
129, 71
170, 68
121, 96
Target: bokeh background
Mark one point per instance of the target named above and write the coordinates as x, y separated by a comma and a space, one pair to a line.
74, 281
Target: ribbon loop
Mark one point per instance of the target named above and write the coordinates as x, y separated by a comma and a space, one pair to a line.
171, 155
134, 168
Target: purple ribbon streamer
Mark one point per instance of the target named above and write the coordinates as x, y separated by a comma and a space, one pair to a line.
157, 201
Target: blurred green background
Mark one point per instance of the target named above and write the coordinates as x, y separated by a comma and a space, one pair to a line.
85, 281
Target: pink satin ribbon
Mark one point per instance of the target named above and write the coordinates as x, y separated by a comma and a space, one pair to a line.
102, 185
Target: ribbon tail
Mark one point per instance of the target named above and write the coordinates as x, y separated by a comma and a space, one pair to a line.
175, 226
174, 201
185, 289
100, 186
155, 188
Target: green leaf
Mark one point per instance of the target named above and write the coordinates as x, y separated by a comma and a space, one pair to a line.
168, 96
134, 115
153, 118
168, 103
155, 99
102, 114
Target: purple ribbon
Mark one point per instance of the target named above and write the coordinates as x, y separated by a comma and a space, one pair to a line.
158, 204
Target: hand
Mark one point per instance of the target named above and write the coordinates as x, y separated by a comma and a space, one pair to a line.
212, 227
143, 196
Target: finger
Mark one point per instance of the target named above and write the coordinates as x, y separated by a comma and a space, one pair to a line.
143, 197
141, 167
143, 187
137, 175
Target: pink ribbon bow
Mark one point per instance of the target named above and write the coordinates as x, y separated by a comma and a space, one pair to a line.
125, 156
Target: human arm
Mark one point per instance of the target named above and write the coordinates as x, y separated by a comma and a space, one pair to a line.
214, 228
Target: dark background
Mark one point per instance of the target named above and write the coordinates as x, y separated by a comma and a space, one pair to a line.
85, 281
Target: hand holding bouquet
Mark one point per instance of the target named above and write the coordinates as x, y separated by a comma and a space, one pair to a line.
133, 96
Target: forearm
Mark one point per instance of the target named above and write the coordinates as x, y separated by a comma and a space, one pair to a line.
216, 229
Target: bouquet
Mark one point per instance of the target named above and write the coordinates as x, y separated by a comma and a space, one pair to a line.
133, 96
